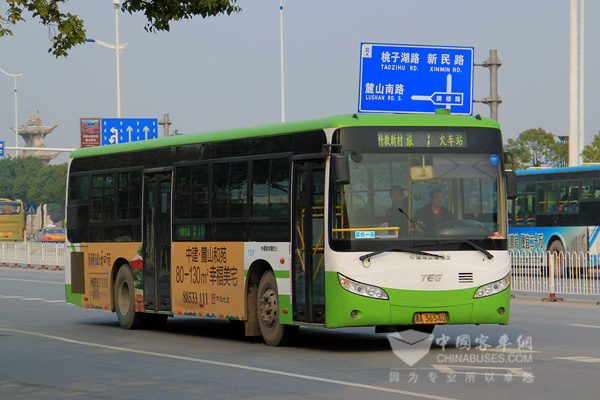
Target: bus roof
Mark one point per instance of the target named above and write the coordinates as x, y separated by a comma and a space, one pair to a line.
540, 171
298, 126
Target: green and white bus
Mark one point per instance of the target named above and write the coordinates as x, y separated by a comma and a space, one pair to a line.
292, 224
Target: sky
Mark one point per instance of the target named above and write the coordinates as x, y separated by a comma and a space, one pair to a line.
224, 72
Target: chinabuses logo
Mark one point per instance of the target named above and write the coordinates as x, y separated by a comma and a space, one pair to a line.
410, 346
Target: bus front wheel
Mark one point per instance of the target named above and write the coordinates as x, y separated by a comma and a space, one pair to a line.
273, 332
125, 299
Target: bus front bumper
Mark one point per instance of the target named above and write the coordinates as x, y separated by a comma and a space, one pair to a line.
345, 309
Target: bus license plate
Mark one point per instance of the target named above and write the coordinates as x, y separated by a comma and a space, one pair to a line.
430, 318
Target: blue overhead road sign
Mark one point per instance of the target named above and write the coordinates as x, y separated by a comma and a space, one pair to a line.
2, 148
123, 130
415, 79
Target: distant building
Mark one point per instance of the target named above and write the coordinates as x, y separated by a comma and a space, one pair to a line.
34, 134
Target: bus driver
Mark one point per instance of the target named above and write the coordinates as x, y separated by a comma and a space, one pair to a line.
434, 213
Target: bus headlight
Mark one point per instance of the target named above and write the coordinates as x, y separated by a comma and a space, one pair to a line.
493, 288
362, 289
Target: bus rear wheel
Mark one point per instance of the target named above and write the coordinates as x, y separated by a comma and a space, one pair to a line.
273, 332
125, 299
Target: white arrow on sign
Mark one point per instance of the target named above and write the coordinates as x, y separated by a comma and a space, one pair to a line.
429, 98
129, 130
115, 136
146, 129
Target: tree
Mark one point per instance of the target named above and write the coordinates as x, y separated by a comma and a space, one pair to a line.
30, 180
537, 148
591, 152
67, 30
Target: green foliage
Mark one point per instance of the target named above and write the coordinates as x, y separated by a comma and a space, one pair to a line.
29, 179
67, 30
161, 12
591, 152
537, 148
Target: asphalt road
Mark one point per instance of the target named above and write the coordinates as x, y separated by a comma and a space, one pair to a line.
52, 350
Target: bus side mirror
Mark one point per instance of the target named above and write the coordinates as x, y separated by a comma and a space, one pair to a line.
341, 168
511, 185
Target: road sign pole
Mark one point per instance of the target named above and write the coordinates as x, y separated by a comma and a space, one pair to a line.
494, 99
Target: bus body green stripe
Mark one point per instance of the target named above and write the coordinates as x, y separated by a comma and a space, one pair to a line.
278, 274
290, 127
72, 297
282, 274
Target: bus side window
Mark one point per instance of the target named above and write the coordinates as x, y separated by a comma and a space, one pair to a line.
546, 197
596, 188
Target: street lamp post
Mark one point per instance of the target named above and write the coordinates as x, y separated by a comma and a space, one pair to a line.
118, 49
16, 116
281, 4
116, 3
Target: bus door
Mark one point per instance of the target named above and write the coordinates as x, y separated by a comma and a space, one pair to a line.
308, 267
157, 241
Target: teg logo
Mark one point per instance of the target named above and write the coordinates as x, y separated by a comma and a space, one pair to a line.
431, 277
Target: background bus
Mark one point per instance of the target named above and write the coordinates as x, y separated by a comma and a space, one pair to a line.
556, 210
12, 220
285, 225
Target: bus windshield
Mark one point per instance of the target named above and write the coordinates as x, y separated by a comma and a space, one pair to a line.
434, 195
10, 208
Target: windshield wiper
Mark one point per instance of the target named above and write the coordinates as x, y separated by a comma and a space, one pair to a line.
403, 249
469, 242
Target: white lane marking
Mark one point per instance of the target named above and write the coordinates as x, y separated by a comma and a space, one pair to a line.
231, 365
31, 280
31, 299
585, 326
580, 358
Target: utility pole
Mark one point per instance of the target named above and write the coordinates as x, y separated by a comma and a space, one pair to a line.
281, 5
15, 76
165, 122
493, 100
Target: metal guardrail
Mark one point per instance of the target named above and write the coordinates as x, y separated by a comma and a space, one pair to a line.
575, 273
33, 255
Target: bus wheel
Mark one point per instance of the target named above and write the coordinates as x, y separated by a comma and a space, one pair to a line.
125, 299
556, 253
273, 332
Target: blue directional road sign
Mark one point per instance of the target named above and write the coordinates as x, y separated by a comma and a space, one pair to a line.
1, 148
415, 79
123, 130
31, 209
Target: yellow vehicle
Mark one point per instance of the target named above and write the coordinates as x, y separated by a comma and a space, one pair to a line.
12, 220
50, 235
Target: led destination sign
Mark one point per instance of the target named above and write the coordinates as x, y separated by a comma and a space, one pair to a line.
406, 139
